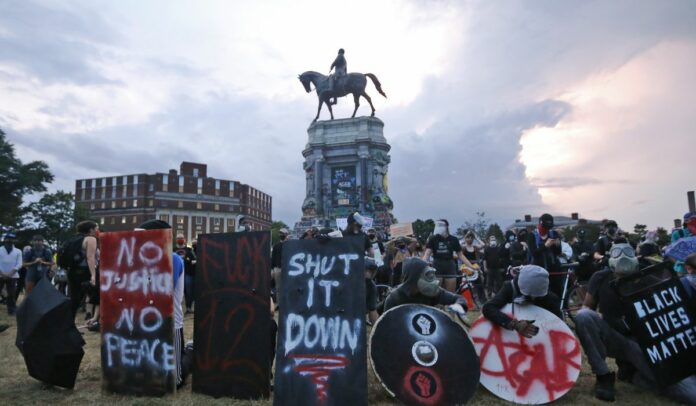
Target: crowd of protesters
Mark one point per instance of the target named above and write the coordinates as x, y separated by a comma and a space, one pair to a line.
526, 266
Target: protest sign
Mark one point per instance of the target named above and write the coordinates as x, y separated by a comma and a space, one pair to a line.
321, 355
662, 316
401, 230
523, 370
232, 323
422, 357
137, 325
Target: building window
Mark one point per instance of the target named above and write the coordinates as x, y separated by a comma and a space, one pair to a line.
113, 204
181, 184
195, 172
124, 180
91, 206
200, 185
135, 179
101, 220
103, 205
93, 192
135, 219
199, 220
125, 204
180, 204
150, 202
217, 187
113, 190
103, 193
123, 220
217, 207
113, 220
164, 217
179, 219
135, 202
165, 183
99, 182
151, 188
216, 221
199, 205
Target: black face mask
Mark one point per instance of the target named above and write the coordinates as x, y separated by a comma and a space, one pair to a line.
611, 231
372, 236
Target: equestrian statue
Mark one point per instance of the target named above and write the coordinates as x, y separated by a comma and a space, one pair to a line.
340, 84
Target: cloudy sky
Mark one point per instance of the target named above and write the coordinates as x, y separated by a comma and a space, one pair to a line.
505, 107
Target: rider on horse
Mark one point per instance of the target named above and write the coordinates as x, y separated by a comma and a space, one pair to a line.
341, 70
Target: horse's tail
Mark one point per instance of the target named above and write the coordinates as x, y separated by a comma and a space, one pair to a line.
375, 81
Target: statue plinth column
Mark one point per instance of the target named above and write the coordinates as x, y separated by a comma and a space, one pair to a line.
344, 156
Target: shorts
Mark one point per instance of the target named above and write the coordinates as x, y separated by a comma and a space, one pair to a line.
445, 267
34, 275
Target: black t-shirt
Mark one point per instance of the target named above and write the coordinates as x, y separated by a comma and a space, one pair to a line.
277, 255
603, 245
187, 254
608, 302
494, 257
518, 254
444, 247
470, 255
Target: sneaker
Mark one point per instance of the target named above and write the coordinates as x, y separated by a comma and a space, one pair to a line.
604, 387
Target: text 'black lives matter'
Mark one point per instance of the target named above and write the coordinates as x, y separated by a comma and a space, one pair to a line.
321, 357
663, 318
232, 322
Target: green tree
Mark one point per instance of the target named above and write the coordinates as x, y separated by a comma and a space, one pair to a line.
275, 227
423, 228
494, 229
55, 216
16, 181
663, 237
479, 225
640, 229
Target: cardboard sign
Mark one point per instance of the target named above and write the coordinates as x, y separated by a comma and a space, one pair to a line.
137, 305
522, 370
663, 318
233, 320
342, 222
401, 230
422, 357
321, 356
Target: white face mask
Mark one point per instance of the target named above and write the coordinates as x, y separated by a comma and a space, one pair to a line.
493, 243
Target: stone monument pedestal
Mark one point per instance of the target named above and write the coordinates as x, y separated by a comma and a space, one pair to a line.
346, 163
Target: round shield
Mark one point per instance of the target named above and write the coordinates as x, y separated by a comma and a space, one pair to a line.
421, 356
533, 370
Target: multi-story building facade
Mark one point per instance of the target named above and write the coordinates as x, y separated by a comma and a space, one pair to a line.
189, 200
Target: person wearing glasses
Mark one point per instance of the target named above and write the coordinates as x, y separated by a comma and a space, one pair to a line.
603, 332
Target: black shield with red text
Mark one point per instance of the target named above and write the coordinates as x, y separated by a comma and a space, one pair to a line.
423, 357
232, 323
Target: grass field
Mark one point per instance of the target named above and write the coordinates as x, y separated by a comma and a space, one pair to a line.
17, 387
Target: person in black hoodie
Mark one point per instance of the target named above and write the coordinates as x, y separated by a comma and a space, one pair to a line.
531, 286
421, 286
545, 248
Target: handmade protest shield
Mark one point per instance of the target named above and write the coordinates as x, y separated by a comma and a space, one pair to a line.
137, 325
421, 356
533, 370
662, 316
232, 333
321, 355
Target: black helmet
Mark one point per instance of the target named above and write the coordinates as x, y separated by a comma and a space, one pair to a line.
341, 51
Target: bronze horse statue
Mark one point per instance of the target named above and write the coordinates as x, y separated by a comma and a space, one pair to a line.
354, 83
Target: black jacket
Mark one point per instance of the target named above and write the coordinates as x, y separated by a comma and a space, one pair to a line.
491, 310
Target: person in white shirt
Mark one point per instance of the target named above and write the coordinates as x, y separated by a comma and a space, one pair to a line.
10, 264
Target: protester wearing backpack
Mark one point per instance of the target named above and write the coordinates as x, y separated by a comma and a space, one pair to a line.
80, 256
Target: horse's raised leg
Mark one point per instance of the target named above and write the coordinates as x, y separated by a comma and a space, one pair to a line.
318, 110
369, 100
356, 98
328, 104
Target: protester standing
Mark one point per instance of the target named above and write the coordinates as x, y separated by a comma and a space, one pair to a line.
38, 261
189, 256
495, 263
355, 225
82, 254
688, 230
277, 259
545, 249
443, 246
10, 264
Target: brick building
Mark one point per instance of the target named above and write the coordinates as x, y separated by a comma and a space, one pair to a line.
189, 200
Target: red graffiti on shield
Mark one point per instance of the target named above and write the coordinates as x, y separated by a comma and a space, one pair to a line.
554, 380
318, 368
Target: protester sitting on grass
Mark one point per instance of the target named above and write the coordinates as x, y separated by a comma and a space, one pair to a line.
603, 332
421, 286
530, 286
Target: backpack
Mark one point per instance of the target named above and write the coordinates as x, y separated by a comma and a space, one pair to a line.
70, 254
